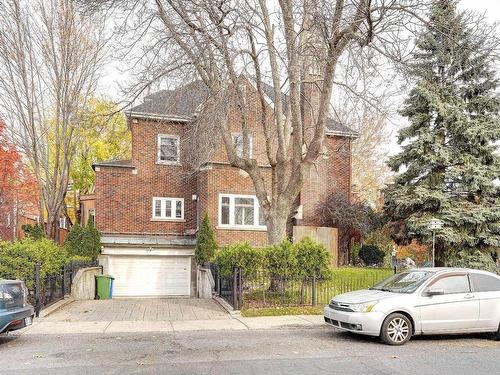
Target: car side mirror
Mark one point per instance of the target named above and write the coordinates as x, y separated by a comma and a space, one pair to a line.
435, 292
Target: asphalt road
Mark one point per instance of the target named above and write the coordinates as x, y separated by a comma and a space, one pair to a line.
286, 351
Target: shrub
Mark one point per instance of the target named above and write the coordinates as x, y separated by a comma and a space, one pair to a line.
33, 231
241, 255
381, 239
18, 259
312, 258
84, 242
206, 245
473, 258
371, 255
355, 260
282, 259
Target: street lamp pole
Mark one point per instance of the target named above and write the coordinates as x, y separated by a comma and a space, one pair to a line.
434, 224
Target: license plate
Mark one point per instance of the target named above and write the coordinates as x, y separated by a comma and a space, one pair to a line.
28, 321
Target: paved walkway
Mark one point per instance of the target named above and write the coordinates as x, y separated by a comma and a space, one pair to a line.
156, 315
139, 309
51, 327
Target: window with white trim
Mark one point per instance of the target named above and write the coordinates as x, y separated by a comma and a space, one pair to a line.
168, 149
238, 144
168, 208
241, 211
63, 224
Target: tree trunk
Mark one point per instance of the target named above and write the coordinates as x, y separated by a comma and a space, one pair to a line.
276, 226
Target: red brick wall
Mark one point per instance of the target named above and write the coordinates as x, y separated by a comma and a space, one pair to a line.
225, 179
124, 195
332, 173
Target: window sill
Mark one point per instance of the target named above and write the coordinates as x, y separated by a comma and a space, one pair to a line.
172, 220
173, 163
244, 228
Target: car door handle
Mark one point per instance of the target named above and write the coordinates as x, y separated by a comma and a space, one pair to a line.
469, 296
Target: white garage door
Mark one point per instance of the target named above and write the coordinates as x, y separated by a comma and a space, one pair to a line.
145, 276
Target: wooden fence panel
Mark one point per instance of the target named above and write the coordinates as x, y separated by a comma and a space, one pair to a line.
327, 236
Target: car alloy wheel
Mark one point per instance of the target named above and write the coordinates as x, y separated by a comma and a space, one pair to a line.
396, 330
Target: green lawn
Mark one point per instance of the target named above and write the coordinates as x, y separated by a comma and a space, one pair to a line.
290, 310
258, 294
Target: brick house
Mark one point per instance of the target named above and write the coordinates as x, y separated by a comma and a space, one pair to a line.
148, 208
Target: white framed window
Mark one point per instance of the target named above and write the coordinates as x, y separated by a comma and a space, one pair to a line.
63, 223
240, 211
168, 208
238, 144
168, 149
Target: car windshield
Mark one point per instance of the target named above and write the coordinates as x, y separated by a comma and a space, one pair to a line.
404, 282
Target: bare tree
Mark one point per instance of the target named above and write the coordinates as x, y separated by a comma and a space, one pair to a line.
49, 59
295, 46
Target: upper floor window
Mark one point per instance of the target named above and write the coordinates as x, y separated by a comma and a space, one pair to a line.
238, 144
168, 208
63, 224
168, 149
240, 211
243, 92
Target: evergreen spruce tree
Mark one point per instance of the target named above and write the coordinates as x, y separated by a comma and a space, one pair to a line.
449, 164
206, 245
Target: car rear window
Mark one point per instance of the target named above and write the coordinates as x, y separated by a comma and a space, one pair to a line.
485, 283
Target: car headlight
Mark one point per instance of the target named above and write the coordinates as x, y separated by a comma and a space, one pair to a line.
363, 307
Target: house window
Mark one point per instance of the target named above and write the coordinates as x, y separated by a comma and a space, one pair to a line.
243, 92
91, 214
63, 223
8, 220
238, 144
168, 149
240, 211
168, 208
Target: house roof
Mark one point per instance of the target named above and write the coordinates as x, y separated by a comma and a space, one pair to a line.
125, 163
182, 103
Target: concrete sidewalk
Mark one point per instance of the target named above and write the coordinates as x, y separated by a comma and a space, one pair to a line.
48, 327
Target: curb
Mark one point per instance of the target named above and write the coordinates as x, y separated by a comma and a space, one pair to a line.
56, 306
226, 306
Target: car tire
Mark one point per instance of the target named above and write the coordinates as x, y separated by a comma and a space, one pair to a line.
396, 329
497, 335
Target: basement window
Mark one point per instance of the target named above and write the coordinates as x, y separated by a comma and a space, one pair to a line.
168, 208
240, 212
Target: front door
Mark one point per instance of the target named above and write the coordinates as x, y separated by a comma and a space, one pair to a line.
457, 310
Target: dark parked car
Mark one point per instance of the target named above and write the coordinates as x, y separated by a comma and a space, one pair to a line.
15, 312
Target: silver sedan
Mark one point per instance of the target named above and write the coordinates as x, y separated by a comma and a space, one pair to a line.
419, 302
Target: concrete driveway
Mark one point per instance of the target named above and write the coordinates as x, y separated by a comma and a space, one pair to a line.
140, 309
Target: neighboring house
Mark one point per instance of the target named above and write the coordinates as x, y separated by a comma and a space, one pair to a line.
87, 208
148, 208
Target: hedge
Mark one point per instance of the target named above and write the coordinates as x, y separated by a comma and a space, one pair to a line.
18, 259
303, 259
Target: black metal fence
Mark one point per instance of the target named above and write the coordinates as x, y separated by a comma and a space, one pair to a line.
52, 288
263, 289
229, 288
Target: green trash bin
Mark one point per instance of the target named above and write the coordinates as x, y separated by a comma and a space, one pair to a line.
104, 286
